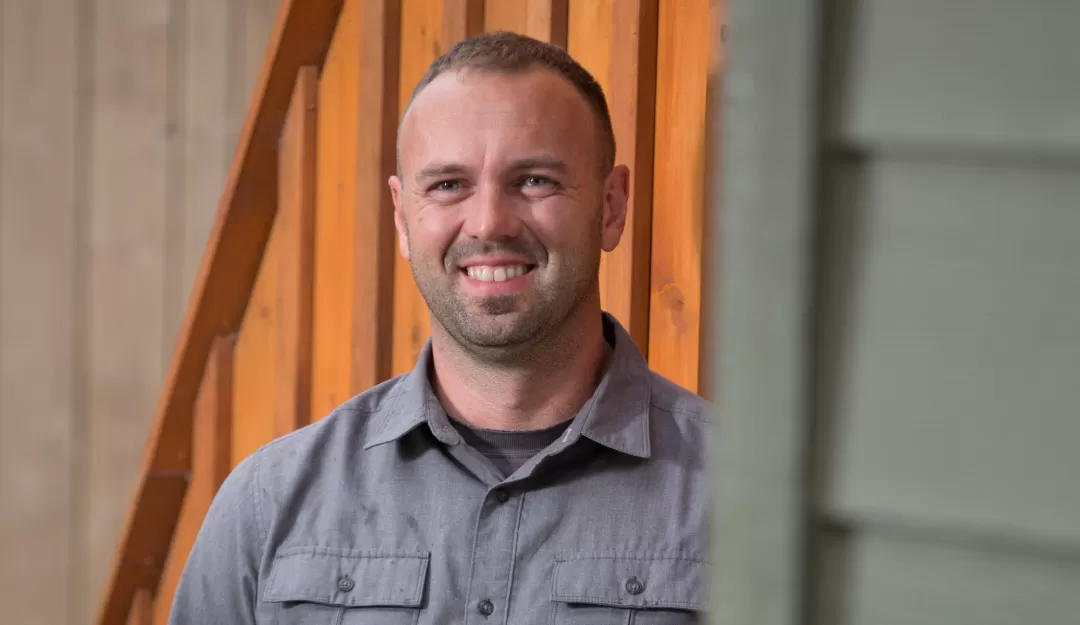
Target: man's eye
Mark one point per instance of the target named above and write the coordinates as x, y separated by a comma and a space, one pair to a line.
537, 181
446, 186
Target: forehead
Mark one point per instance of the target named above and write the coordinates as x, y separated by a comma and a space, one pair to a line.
477, 114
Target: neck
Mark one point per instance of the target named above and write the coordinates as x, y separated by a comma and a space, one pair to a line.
543, 387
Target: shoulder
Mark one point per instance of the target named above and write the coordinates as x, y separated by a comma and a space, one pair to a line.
670, 398
330, 438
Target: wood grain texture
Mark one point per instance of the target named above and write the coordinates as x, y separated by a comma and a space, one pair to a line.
296, 217
210, 464
545, 20
354, 282
39, 215
462, 19
126, 248
335, 219
615, 40
679, 190
223, 285
509, 15
258, 348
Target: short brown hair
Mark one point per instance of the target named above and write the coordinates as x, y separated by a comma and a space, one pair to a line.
508, 52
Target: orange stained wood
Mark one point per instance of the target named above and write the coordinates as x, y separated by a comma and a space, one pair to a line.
222, 288
616, 41
273, 350
296, 217
679, 190
142, 608
545, 20
461, 19
210, 464
354, 232
258, 348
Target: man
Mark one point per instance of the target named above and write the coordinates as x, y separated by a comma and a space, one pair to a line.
531, 469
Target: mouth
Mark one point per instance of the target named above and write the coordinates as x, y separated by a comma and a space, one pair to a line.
498, 273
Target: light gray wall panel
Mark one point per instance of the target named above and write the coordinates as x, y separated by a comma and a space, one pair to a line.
953, 320
983, 73
899, 581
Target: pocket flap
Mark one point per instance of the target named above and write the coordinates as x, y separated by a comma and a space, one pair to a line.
662, 582
348, 578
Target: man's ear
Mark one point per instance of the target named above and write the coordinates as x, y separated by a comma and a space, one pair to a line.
616, 200
399, 217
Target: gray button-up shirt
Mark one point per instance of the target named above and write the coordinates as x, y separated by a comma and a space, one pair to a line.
381, 514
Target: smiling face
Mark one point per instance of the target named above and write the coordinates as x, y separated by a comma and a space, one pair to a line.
502, 208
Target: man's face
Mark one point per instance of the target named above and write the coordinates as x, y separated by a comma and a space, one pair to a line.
502, 208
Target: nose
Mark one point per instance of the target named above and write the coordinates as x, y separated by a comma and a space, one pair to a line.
491, 215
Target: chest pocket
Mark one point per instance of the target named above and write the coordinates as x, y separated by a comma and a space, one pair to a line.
622, 591
321, 586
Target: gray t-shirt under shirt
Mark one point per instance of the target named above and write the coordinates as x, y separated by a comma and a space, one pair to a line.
508, 450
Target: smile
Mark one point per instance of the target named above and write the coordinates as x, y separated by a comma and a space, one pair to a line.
501, 273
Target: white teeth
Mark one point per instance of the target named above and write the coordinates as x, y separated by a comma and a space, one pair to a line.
484, 273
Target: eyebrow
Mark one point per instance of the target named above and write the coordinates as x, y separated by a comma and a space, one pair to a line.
441, 170
549, 163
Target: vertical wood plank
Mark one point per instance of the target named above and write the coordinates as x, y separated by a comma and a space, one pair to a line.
509, 15
127, 290
335, 219
296, 218
354, 285
210, 464
616, 41
257, 352
206, 130
546, 20
39, 112
679, 190
462, 19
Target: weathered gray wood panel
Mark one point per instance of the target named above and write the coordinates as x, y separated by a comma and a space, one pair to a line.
976, 73
954, 350
39, 203
901, 581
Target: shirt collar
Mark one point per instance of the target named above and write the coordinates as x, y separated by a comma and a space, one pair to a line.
615, 416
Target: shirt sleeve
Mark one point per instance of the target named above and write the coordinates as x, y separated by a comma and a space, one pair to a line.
219, 583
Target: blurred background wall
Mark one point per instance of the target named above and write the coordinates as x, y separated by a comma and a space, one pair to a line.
119, 119
899, 303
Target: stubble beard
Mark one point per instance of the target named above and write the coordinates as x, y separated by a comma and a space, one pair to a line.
506, 329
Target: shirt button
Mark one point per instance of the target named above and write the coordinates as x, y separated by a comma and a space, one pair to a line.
345, 583
485, 607
502, 496
634, 586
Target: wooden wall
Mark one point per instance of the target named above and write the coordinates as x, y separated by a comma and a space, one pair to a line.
653, 60
119, 119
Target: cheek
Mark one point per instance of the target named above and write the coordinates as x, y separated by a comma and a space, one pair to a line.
431, 231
